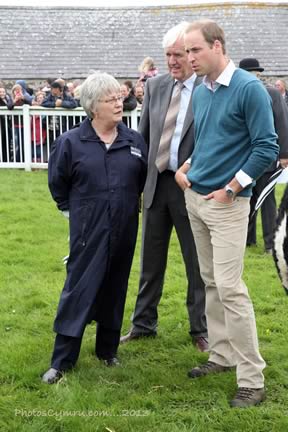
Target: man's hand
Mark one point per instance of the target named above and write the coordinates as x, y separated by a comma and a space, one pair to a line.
284, 163
219, 196
18, 97
182, 180
58, 103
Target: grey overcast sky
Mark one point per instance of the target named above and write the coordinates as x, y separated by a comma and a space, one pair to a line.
119, 3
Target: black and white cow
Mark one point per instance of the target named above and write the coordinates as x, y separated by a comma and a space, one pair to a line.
280, 250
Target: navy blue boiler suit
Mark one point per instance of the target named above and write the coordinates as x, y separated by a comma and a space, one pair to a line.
101, 190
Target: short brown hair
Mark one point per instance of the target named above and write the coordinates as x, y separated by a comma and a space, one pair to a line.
210, 30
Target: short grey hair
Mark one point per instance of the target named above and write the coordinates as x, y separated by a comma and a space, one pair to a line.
94, 88
175, 33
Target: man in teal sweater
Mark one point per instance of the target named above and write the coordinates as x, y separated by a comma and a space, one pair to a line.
235, 141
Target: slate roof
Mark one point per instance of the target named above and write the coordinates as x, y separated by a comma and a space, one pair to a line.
36, 43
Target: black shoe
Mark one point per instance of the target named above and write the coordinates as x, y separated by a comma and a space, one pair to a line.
133, 335
206, 369
52, 376
247, 397
111, 362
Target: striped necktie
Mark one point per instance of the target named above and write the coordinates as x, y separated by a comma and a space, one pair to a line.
163, 155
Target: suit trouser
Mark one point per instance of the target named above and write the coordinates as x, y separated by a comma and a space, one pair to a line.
220, 234
67, 348
268, 213
168, 210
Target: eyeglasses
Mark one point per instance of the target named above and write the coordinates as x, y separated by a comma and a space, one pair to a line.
113, 100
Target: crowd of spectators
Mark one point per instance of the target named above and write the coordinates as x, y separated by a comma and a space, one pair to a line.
57, 93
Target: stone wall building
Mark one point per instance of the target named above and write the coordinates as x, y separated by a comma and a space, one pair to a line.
41, 42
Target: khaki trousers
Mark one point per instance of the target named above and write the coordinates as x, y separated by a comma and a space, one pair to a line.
220, 232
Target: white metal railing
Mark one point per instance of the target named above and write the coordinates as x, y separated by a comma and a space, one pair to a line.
27, 132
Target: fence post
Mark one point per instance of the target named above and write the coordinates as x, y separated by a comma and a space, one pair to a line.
27, 138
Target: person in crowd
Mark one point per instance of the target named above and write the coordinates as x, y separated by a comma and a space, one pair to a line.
70, 88
77, 93
281, 87
269, 207
5, 99
139, 94
129, 100
96, 172
58, 98
27, 91
47, 88
235, 141
168, 128
5, 124
77, 90
147, 70
19, 98
76, 83
38, 131
62, 83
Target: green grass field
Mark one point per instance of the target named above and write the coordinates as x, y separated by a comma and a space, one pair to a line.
150, 391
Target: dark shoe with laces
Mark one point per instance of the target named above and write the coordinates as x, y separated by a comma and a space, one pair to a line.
201, 343
247, 397
111, 362
52, 376
206, 369
133, 336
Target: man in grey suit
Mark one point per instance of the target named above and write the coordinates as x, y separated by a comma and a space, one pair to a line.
164, 205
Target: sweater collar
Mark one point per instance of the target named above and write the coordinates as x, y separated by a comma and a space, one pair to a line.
223, 79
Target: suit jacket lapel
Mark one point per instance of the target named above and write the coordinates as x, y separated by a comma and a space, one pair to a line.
166, 88
189, 118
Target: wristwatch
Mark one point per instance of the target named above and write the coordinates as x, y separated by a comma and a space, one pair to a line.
230, 191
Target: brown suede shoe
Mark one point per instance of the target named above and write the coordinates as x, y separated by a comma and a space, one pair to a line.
206, 369
247, 397
133, 335
201, 343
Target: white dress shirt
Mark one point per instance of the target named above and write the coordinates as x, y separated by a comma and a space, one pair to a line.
175, 142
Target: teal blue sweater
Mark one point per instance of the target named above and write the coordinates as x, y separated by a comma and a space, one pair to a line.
234, 129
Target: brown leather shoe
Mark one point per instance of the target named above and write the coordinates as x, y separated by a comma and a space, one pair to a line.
247, 397
206, 369
133, 335
201, 343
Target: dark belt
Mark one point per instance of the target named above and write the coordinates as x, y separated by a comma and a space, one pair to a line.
168, 172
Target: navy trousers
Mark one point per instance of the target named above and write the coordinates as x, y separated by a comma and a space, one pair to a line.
67, 348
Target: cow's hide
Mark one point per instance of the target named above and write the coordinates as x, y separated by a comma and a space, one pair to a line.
280, 249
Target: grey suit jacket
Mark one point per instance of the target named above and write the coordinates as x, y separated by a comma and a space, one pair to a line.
280, 114
157, 97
